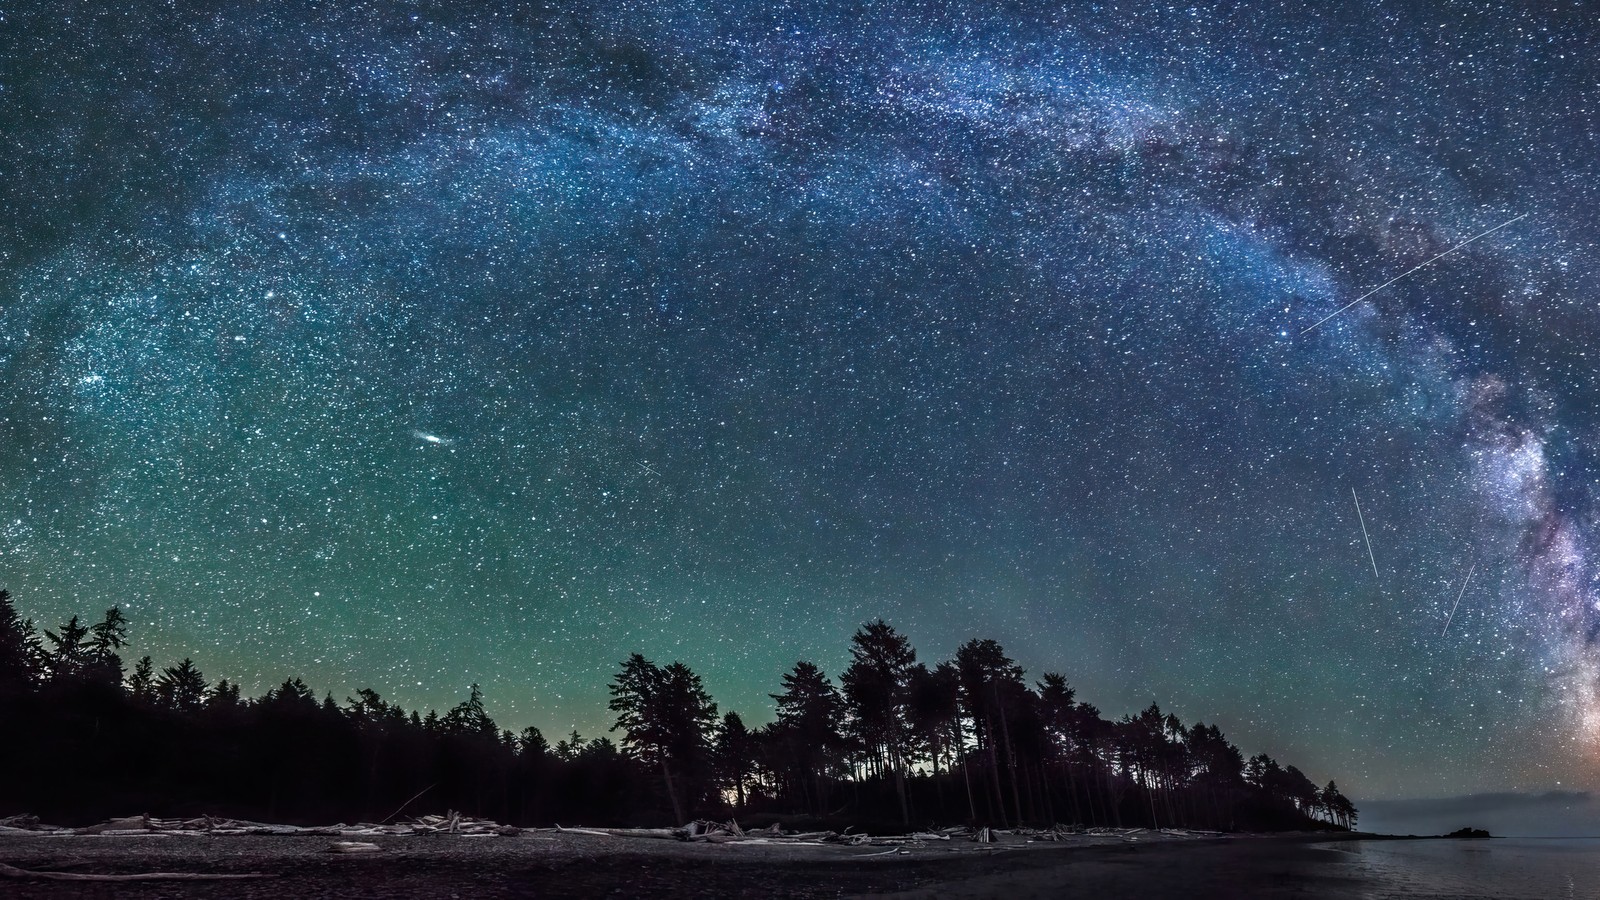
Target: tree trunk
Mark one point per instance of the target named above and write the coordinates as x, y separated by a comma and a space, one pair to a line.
966, 775
900, 788
672, 793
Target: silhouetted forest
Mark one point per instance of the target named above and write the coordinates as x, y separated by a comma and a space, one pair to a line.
895, 742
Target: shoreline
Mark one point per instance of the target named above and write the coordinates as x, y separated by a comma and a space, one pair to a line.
550, 864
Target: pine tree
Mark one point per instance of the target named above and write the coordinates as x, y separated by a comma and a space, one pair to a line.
105, 639
667, 720
806, 740
876, 685
531, 743
933, 707
19, 648
570, 747
68, 656
224, 698
1338, 807
291, 696
367, 708
469, 717
601, 751
735, 752
141, 684
181, 688
990, 684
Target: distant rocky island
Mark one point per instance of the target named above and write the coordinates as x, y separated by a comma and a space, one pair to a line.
1469, 833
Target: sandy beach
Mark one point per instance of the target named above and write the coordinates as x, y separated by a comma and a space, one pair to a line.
548, 865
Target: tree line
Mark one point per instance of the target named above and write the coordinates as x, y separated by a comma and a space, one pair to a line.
894, 743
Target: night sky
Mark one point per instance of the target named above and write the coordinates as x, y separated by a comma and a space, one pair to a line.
414, 345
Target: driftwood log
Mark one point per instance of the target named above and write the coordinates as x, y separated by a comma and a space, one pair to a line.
14, 872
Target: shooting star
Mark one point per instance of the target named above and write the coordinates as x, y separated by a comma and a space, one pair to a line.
1417, 268
1459, 595
1365, 537
434, 439
646, 466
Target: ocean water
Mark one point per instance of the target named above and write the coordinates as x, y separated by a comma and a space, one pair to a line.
1532, 868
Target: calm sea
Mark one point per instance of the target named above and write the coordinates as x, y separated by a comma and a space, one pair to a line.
1539, 869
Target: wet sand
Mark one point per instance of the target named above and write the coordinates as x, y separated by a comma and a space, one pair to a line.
549, 865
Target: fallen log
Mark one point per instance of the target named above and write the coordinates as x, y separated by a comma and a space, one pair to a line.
665, 833
134, 824
14, 872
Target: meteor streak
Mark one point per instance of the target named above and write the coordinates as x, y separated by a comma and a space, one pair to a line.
1420, 266
1459, 595
1366, 538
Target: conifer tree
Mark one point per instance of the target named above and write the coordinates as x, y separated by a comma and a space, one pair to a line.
19, 648
106, 637
181, 688
141, 684
735, 751
570, 747
531, 743
806, 740
469, 717
224, 698
667, 720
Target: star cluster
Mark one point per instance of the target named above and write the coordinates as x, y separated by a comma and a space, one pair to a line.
418, 344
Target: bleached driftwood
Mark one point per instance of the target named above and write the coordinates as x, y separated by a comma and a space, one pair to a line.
668, 833
125, 825
14, 872
148, 826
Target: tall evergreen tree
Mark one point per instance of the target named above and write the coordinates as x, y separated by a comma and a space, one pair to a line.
142, 683
1056, 703
735, 752
876, 687
531, 743
294, 696
1299, 789
933, 705
106, 637
1337, 806
19, 648
570, 747
667, 720
806, 739
990, 683
68, 654
181, 688
468, 717
223, 699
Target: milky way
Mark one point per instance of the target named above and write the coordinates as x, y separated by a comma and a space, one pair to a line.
421, 344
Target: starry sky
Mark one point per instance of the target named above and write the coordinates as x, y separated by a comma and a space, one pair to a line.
418, 344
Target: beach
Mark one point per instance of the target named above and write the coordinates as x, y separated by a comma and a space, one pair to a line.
549, 865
